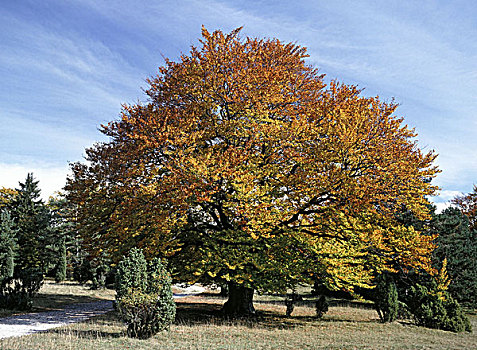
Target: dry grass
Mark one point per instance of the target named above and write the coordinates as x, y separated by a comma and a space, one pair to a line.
200, 326
53, 296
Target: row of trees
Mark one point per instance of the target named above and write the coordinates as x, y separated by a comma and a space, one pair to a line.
28, 242
37, 239
432, 298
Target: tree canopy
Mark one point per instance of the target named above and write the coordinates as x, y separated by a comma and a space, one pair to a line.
467, 203
245, 166
457, 244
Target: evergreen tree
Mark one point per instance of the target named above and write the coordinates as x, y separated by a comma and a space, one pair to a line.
386, 298
64, 246
32, 221
144, 295
458, 243
60, 271
8, 246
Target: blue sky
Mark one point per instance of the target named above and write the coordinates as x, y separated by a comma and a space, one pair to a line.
66, 66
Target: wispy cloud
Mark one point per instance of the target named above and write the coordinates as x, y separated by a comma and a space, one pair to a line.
70, 72
51, 178
65, 68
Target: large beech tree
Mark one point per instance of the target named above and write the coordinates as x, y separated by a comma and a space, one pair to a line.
245, 167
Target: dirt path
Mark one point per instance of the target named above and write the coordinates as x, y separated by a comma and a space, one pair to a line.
15, 326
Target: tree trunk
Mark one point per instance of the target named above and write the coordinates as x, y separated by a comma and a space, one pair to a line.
240, 302
224, 290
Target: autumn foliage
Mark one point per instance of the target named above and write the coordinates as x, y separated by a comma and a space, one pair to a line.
245, 166
467, 203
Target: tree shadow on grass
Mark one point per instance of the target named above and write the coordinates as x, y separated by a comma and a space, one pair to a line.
197, 314
88, 334
49, 302
102, 321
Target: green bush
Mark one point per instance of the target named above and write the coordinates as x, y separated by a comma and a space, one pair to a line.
132, 273
18, 292
403, 311
386, 298
434, 309
321, 306
144, 295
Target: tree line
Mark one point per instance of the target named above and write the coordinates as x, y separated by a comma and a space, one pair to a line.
39, 239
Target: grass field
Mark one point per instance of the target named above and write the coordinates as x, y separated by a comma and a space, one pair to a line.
53, 296
199, 326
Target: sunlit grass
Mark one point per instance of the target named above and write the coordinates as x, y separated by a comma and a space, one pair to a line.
53, 296
199, 325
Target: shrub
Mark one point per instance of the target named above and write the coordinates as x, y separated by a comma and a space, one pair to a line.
386, 298
82, 271
403, 311
144, 295
18, 292
436, 309
100, 270
321, 306
131, 274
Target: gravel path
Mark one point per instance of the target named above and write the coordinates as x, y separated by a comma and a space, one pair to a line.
16, 326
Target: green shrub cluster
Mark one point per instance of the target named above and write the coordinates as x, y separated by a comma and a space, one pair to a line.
321, 306
17, 293
403, 311
386, 298
434, 309
144, 295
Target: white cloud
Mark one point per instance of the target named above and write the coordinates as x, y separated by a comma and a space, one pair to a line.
447, 195
420, 53
51, 178
440, 207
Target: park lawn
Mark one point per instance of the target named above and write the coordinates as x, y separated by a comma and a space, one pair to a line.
199, 326
53, 296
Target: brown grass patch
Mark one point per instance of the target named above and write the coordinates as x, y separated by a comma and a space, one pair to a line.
199, 325
54, 296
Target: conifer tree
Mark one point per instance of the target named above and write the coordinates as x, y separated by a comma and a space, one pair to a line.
457, 242
7, 246
386, 298
60, 271
64, 245
32, 220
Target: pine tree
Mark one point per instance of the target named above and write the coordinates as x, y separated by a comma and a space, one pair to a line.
8, 246
60, 271
457, 242
63, 243
32, 220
